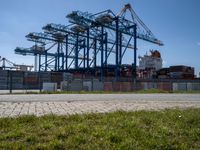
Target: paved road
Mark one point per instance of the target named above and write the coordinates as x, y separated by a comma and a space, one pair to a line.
16, 105
98, 97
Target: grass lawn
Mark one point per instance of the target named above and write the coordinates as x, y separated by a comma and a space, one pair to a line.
167, 129
149, 91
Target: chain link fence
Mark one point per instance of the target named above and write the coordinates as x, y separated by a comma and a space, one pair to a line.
37, 81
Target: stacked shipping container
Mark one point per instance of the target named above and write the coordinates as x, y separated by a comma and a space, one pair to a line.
35, 80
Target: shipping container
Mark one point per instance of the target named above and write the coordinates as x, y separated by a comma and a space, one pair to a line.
126, 86
108, 86
166, 86
116, 86
4, 73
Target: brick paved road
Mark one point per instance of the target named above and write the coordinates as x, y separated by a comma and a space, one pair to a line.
15, 105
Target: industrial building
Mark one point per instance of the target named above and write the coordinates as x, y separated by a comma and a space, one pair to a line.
89, 54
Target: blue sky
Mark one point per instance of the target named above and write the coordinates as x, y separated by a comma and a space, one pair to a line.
175, 22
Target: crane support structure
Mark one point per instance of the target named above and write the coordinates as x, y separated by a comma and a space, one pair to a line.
6, 64
90, 41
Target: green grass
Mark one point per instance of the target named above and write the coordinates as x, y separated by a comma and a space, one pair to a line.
149, 91
168, 129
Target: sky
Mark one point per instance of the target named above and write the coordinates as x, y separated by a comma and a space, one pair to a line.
175, 22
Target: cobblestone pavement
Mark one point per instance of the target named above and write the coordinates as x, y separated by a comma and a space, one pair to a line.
78, 104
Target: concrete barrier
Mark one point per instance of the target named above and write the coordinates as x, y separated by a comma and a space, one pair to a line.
64, 86
195, 86
87, 85
49, 87
186, 86
76, 85
98, 86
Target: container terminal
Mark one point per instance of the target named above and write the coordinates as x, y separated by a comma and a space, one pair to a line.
89, 54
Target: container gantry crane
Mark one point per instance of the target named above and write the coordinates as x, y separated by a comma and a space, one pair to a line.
122, 27
94, 36
52, 40
91, 40
6, 64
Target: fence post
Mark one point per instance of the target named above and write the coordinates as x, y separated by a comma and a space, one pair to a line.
92, 84
39, 80
82, 82
24, 83
10, 73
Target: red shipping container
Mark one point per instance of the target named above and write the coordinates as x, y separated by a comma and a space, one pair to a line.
125, 86
166, 86
108, 86
116, 86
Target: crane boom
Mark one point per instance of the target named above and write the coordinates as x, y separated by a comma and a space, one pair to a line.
126, 26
